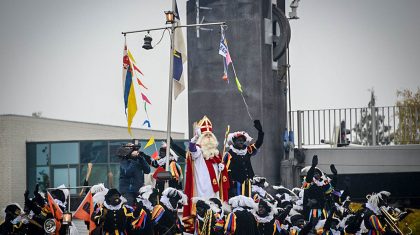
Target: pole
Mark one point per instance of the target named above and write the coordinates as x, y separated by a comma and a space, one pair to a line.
68, 182
373, 115
290, 89
299, 128
171, 71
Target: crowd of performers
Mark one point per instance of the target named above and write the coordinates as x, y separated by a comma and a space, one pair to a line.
221, 196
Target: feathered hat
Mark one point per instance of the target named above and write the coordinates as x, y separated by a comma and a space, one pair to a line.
146, 191
260, 181
242, 201
232, 136
98, 188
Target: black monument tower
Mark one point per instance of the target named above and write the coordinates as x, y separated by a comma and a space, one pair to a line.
257, 35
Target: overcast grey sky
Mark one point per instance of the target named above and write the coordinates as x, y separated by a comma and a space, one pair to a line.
64, 58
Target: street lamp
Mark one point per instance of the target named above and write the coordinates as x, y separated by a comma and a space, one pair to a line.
170, 19
147, 42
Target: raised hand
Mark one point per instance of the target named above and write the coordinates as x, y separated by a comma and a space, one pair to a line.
257, 125
314, 160
194, 139
26, 195
333, 170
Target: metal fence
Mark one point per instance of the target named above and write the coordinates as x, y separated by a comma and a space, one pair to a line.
341, 127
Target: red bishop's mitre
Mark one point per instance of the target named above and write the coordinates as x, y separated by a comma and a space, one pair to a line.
205, 125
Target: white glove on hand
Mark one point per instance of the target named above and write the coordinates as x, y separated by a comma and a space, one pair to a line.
221, 166
194, 139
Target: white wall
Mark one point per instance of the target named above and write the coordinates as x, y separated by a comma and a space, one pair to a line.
16, 130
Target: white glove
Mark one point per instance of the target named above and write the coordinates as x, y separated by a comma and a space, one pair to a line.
221, 166
161, 161
197, 131
194, 139
25, 220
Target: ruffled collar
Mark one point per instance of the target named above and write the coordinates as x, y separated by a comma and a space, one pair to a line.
238, 151
165, 201
238, 209
263, 220
113, 208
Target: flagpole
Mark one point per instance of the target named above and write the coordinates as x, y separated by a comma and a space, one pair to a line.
171, 75
172, 29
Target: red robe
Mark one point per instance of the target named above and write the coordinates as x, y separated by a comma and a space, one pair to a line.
220, 185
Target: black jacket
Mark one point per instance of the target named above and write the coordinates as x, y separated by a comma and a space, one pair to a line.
132, 172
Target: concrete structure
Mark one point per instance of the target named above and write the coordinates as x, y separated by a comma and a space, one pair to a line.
264, 85
16, 131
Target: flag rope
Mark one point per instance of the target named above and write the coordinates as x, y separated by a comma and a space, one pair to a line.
243, 98
236, 77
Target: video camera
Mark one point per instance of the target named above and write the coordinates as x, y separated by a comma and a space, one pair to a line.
125, 150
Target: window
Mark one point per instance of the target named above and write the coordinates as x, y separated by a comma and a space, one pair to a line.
65, 176
42, 152
98, 174
93, 151
51, 164
113, 147
43, 178
64, 153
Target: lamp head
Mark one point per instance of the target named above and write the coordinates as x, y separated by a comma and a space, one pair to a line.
147, 42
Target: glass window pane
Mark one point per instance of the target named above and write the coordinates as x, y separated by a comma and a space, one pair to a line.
42, 151
115, 170
113, 147
43, 178
61, 176
93, 151
64, 153
98, 174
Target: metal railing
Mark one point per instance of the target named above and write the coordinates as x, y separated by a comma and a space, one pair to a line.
395, 125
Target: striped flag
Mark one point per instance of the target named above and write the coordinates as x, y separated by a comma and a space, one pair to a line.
224, 52
130, 103
179, 58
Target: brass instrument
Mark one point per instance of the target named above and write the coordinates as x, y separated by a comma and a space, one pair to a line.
50, 226
391, 221
29, 219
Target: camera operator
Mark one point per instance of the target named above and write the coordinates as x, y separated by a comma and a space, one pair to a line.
133, 166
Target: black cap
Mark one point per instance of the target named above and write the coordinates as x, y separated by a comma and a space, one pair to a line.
112, 192
58, 194
295, 218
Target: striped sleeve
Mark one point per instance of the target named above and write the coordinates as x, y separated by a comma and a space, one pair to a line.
226, 160
128, 211
220, 223
157, 213
140, 221
230, 224
252, 149
98, 215
376, 224
277, 227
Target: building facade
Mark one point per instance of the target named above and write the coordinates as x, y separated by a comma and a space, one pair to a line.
52, 152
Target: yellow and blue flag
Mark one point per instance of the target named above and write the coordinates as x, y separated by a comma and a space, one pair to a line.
130, 103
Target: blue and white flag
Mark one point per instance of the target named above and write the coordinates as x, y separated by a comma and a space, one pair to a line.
180, 57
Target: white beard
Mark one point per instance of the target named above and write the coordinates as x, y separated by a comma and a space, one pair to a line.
208, 146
